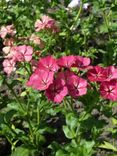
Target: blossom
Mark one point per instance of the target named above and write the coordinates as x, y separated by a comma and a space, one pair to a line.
36, 40
46, 23
82, 62
74, 4
111, 73
97, 73
9, 51
9, 66
76, 86
57, 91
8, 42
24, 53
40, 79
66, 61
48, 63
108, 90
9, 29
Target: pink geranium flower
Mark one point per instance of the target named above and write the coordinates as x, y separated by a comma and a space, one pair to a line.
111, 73
36, 40
76, 86
57, 91
97, 73
9, 66
9, 29
82, 62
40, 79
46, 23
108, 90
9, 51
48, 63
66, 61
8, 42
24, 53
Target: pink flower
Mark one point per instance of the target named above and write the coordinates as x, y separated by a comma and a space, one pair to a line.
9, 29
36, 40
111, 73
66, 61
40, 79
48, 63
9, 66
76, 86
46, 23
8, 42
108, 90
57, 91
24, 53
82, 62
9, 51
97, 73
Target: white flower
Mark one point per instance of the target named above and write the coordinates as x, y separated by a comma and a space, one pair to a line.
74, 4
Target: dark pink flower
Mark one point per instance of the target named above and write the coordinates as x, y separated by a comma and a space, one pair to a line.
97, 73
76, 86
82, 62
48, 63
9, 66
66, 61
108, 90
40, 79
111, 73
57, 91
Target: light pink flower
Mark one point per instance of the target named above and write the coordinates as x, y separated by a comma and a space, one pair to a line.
46, 23
48, 63
108, 90
40, 79
9, 29
8, 42
66, 61
76, 86
9, 66
57, 91
36, 40
9, 51
24, 53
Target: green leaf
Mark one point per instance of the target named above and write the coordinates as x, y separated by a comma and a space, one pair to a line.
108, 146
70, 134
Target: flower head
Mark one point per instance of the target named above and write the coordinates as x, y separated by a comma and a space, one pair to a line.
57, 91
82, 62
76, 86
40, 79
48, 63
66, 61
9, 66
108, 90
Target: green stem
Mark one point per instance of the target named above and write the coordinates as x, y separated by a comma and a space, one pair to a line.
79, 12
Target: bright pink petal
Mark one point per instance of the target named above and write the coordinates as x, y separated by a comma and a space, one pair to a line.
66, 61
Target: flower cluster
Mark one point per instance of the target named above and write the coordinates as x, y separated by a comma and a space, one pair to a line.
16, 54
46, 23
57, 79
107, 79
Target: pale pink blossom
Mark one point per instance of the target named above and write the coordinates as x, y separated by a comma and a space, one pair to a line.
9, 66
46, 23
9, 51
8, 41
24, 53
37, 40
9, 29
